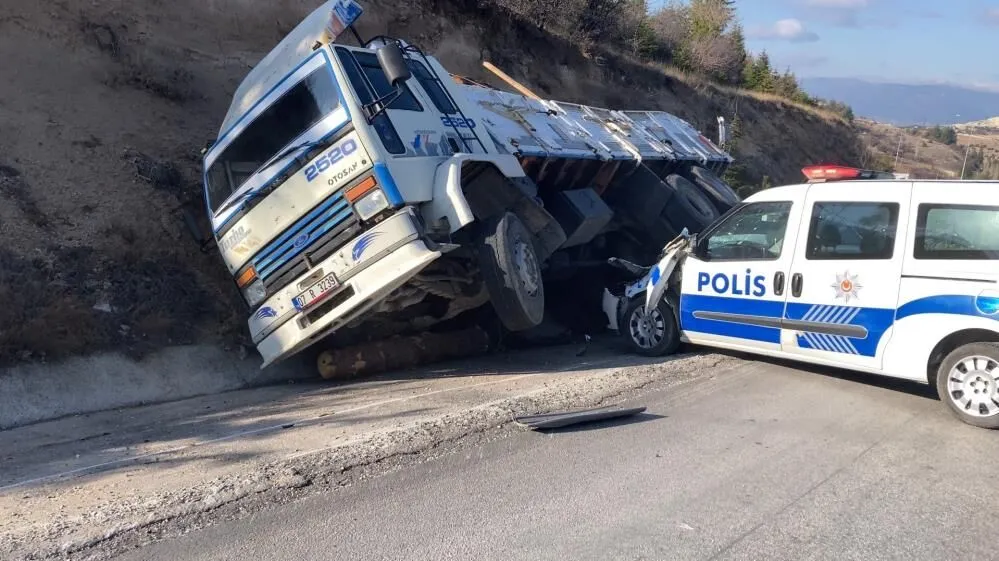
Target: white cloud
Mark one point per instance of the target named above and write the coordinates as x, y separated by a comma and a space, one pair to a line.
992, 16
786, 30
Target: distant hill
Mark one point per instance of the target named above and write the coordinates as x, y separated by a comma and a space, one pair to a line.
907, 104
988, 124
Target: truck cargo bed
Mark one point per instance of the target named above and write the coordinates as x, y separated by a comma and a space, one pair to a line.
553, 129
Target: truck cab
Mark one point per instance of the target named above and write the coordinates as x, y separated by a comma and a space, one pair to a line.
337, 177
862, 271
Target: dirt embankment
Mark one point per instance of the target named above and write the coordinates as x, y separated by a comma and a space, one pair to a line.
104, 107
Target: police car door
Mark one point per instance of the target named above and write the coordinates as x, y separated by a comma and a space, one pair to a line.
845, 277
735, 280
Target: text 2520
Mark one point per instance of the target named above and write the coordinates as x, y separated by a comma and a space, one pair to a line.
324, 162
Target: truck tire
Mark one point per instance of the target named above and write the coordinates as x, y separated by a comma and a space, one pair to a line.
652, 334
721, 194
512, 273
689, 208
967, 382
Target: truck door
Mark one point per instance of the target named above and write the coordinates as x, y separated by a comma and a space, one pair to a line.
844, 281
735, 280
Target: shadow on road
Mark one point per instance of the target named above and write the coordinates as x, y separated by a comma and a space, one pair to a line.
895, 384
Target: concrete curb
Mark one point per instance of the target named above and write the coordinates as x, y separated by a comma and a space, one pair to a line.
38, 392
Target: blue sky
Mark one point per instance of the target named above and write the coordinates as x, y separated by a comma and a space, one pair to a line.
907, 41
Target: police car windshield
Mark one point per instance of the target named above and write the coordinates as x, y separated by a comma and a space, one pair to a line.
277, 127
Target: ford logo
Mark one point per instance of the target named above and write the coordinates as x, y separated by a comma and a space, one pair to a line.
300, 241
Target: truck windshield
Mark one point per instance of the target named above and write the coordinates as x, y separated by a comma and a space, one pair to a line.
295, 112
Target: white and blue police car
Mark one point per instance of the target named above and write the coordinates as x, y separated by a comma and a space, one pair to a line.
853, 269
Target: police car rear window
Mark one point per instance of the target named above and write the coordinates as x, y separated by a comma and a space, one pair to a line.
969, 232
847, 231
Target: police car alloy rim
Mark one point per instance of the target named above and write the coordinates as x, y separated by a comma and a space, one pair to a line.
647, 330
973, 387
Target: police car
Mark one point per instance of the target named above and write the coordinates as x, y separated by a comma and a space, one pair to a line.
854, 269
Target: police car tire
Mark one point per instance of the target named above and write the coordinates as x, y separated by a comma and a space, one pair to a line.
518, 307
689, 207
723, 196
990, 350
671, 338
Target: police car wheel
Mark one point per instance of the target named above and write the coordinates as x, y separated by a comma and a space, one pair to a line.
968, 382
649, 334
512, 273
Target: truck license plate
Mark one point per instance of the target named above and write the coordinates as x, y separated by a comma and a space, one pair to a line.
323, 288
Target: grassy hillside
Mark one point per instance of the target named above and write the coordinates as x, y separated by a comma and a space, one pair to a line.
105, 105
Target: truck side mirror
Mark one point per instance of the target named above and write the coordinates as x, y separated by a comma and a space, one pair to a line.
393, 63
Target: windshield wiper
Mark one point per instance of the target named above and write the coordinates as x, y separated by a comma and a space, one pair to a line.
289, 150
280, 155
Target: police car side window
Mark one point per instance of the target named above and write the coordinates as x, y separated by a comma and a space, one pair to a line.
754, 232
957, 232
846, 231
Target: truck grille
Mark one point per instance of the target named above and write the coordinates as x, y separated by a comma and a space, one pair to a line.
317, 234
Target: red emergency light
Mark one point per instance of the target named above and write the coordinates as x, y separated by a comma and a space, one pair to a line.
840, 173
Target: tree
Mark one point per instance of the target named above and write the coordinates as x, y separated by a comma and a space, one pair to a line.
758, 75
710, 18
717, 58
738, 39
671, 26
946, 135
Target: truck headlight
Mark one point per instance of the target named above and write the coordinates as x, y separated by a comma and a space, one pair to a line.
255, 293
371, 204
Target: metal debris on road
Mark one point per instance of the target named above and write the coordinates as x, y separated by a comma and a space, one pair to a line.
559, 420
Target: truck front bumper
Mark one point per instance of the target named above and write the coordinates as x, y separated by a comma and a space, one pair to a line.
367, 268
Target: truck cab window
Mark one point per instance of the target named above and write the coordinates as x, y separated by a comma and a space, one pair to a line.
754, 232
433, 88
366, 75
295, 112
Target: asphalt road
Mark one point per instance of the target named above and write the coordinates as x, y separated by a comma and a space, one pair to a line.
767, 462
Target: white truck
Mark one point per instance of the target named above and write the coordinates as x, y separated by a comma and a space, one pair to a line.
352, 183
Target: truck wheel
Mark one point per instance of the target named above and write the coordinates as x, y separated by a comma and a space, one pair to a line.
512, 273
689, 207
649, 334
968, 382
723, 196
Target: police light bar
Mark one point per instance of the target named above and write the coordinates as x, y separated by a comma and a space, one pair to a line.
839, 173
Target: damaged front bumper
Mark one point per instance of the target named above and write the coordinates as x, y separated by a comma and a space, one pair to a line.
653, 283
366, 270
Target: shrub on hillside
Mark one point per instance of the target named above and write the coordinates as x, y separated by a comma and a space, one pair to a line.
838, 107
946, 135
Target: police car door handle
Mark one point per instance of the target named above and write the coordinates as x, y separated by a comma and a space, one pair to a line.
796, 283
779, 283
